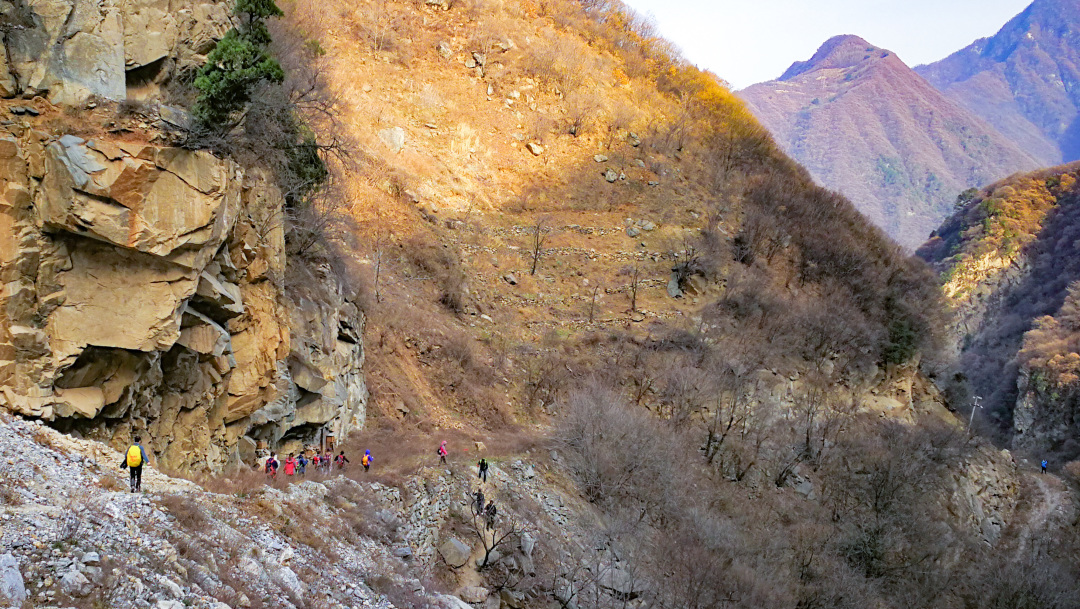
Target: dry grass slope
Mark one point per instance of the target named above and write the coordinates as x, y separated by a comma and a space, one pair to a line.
477, 123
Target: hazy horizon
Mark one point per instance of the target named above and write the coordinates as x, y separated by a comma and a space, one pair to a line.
719, 35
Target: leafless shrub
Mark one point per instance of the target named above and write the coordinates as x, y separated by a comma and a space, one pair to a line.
617, 454
583, 110
111, 482
556, 59
443, 265
185, 511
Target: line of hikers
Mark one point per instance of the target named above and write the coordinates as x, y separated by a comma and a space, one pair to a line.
296, 465
489, 512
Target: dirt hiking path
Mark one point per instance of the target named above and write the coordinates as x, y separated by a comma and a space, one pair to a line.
1049, 510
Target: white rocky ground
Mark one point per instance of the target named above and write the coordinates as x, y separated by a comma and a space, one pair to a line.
72, 535
80, 539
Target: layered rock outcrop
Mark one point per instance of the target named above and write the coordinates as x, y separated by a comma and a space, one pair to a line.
70, 50
145, 285
144, 292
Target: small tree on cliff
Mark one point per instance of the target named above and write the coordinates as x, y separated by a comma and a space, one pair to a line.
234, 68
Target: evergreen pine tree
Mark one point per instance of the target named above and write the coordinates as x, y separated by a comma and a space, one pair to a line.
237, 64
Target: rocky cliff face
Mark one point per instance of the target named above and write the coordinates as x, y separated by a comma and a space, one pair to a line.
70, 50
1007, 259
145, 286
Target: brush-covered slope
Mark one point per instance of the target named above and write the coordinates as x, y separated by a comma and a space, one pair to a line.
1023, 80
662, 207
1009, 259
866, 125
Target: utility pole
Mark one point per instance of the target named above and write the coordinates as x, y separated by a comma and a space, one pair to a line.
973, 407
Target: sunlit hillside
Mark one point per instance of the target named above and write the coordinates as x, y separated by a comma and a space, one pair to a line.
663, 209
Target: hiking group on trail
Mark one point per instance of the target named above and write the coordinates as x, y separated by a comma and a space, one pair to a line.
296, 465
487, 512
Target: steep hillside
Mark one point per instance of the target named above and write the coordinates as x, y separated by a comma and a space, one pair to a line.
866, 125
74, 536
552, 243
1023, 80
663, 210
1007, 259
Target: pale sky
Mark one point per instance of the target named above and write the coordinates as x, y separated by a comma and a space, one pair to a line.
751, 41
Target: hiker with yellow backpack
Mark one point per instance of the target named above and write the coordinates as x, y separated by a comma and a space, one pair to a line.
133, 461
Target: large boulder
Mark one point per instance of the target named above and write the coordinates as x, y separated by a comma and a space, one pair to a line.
71, 50
12, 589
454, 552
75, 584
473, 594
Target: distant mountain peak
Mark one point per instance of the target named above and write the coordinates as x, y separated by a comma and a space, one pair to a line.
863, 123
842, 51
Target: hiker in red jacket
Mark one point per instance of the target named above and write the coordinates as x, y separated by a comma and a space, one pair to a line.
341, 460
290, 466
442, 452
271, 466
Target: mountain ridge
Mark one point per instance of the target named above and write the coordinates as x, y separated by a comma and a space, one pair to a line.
836, 50
1022, 80
863, 123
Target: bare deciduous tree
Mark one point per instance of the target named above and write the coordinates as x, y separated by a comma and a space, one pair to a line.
592, 304
492, 538
633, 273
538, 239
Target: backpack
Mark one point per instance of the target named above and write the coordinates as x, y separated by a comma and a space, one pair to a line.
366, 461
134, 456
271, 465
